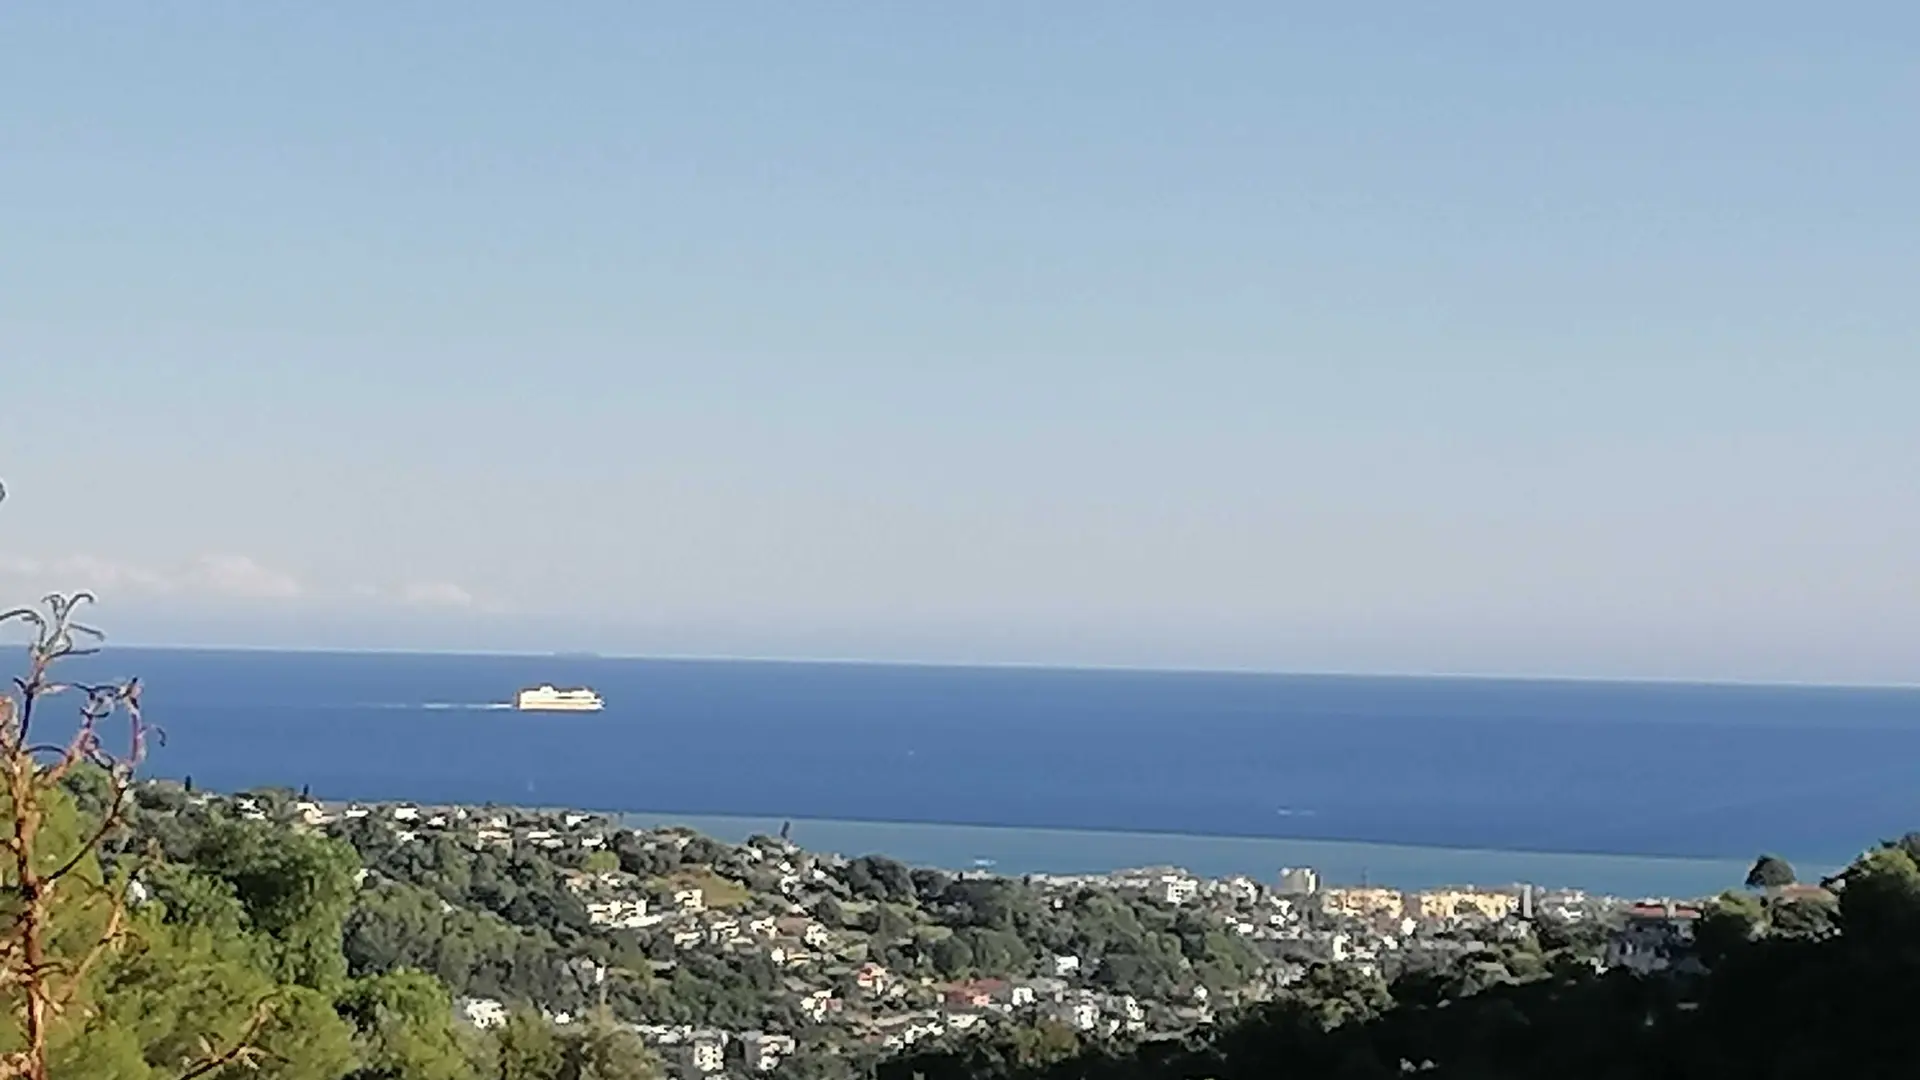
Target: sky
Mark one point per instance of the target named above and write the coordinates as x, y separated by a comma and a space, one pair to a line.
1399, 338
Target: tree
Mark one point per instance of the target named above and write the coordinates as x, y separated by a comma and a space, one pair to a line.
92, 983
296, 888
1727, 924
1770, 872
64, 918
601, 1050
876, 877
404, 1021
526, 1048
60, 915
1880, 902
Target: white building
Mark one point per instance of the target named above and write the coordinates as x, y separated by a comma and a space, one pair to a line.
704, 1055
763, 1052
1081, 1014
1175, 889
1299, 880
482, 1013
623, 914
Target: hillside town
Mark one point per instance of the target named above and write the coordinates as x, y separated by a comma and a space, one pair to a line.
851, 955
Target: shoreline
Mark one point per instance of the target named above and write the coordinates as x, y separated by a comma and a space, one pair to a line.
1015, 851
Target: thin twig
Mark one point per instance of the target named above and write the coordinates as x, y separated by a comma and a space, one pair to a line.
242, 1050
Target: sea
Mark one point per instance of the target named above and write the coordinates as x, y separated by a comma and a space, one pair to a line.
1638, 789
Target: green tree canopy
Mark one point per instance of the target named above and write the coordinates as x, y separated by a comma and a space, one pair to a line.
1770, 872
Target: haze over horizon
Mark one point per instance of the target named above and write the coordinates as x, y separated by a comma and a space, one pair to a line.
1541, 343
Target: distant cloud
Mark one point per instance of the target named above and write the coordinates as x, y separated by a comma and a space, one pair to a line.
222, 576
242, 577
17, 566
69, 572
436, 594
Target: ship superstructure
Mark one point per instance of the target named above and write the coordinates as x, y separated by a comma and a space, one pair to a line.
546, 698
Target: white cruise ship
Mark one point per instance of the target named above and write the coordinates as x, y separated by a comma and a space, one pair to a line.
548, 699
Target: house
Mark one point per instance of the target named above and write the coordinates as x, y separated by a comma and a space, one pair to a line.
806, 930
621, 914
1016, 995
1080, 1014
1179, 890
406, 813
690, 900
482, 1013
1242, 889
1045, 989
311, 813
1362, 903
1064, 966
870, 977
1452, 905
816, 1005
1299, 881
977, 994
762, 1052
701, 1056
1654, 937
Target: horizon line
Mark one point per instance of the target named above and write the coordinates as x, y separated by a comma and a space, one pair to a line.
1035, 665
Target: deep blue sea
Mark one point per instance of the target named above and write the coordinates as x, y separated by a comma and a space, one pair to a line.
1701, 777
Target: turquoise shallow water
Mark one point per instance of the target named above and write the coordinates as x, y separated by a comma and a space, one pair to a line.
1071, 851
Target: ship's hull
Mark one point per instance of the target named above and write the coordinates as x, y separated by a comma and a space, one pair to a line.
549, 699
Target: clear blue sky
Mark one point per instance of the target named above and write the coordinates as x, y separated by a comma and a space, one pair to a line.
1459, 337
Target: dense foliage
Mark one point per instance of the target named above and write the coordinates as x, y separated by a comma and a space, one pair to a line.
251, 934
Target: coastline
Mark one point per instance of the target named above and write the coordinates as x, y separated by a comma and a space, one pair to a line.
1016, 851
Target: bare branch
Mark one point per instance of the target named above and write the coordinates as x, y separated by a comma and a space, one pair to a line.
44, 978
242, 1050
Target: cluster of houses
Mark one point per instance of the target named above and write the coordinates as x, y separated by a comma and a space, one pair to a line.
1294, 923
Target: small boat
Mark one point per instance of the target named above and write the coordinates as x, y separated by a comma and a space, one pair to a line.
546, 698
